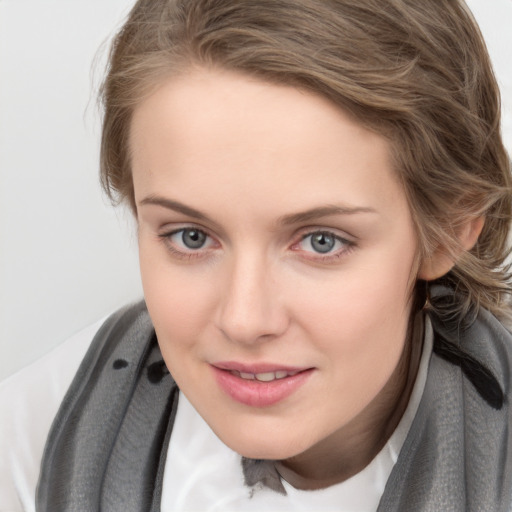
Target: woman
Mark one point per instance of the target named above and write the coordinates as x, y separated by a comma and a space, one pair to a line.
323, 201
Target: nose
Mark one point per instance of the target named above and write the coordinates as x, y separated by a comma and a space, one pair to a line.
251, 309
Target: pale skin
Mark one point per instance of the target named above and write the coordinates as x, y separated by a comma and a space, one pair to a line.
259, 171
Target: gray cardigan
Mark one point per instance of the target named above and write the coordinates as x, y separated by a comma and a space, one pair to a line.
108, 443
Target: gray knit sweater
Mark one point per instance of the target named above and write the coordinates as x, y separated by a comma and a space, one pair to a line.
108, 444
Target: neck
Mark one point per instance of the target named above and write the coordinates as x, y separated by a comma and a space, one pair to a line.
358, 442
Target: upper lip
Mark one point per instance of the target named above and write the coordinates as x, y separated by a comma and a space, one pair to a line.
257, 367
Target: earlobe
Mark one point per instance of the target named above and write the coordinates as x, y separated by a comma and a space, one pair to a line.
440, 262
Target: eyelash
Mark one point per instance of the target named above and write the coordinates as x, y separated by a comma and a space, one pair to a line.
191, 254
347, 246
183, 254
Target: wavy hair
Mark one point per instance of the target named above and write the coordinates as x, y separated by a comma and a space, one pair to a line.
418, 73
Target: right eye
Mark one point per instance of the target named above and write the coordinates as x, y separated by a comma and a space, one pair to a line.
190, 238
188, 242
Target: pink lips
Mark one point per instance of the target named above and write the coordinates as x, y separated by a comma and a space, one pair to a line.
259, 391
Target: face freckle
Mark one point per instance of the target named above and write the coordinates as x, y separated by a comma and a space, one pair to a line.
277, 254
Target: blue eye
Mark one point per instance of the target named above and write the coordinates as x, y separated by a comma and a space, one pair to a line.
193, 238
323, 242
188, 242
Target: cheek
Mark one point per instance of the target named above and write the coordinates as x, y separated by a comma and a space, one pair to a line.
179, 300
372, 300
359, 320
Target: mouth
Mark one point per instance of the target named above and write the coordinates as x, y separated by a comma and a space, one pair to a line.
259, 385
265, 376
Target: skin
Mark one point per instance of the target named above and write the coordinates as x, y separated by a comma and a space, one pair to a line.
242, 160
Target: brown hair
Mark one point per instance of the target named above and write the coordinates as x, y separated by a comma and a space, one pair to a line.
416, 72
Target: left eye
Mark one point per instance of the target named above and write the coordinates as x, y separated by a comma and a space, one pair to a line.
322, 242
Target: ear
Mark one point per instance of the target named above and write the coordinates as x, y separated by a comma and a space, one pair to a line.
439, 263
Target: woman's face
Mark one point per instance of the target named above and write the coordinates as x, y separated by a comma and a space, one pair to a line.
277, 253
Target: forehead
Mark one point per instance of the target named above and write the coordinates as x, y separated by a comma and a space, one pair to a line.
212, 133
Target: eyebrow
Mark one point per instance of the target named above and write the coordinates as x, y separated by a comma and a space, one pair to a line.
286, 220
323, 211
175, 206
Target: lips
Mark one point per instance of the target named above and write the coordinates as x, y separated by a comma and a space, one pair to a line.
259, 385
265, 376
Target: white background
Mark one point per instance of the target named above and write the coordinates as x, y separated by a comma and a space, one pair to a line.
67, 257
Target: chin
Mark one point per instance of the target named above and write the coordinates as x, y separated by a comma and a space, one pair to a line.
267, 452
265, 446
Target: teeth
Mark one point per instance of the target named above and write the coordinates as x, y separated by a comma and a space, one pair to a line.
264, 377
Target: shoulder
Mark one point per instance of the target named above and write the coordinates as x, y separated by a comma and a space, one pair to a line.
482, 349
489, 341
455, 456
128, 322
480, 410
113, 423
29, 401
476, 342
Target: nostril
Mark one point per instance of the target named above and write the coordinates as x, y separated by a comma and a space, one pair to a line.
248, 309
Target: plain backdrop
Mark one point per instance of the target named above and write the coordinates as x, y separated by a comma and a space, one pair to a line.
67, 257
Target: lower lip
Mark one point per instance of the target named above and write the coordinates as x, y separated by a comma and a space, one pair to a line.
256, 393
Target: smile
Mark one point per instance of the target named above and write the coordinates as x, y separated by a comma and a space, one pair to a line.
259, 386
266, 376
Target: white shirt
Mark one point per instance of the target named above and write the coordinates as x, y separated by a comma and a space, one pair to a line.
29, 400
